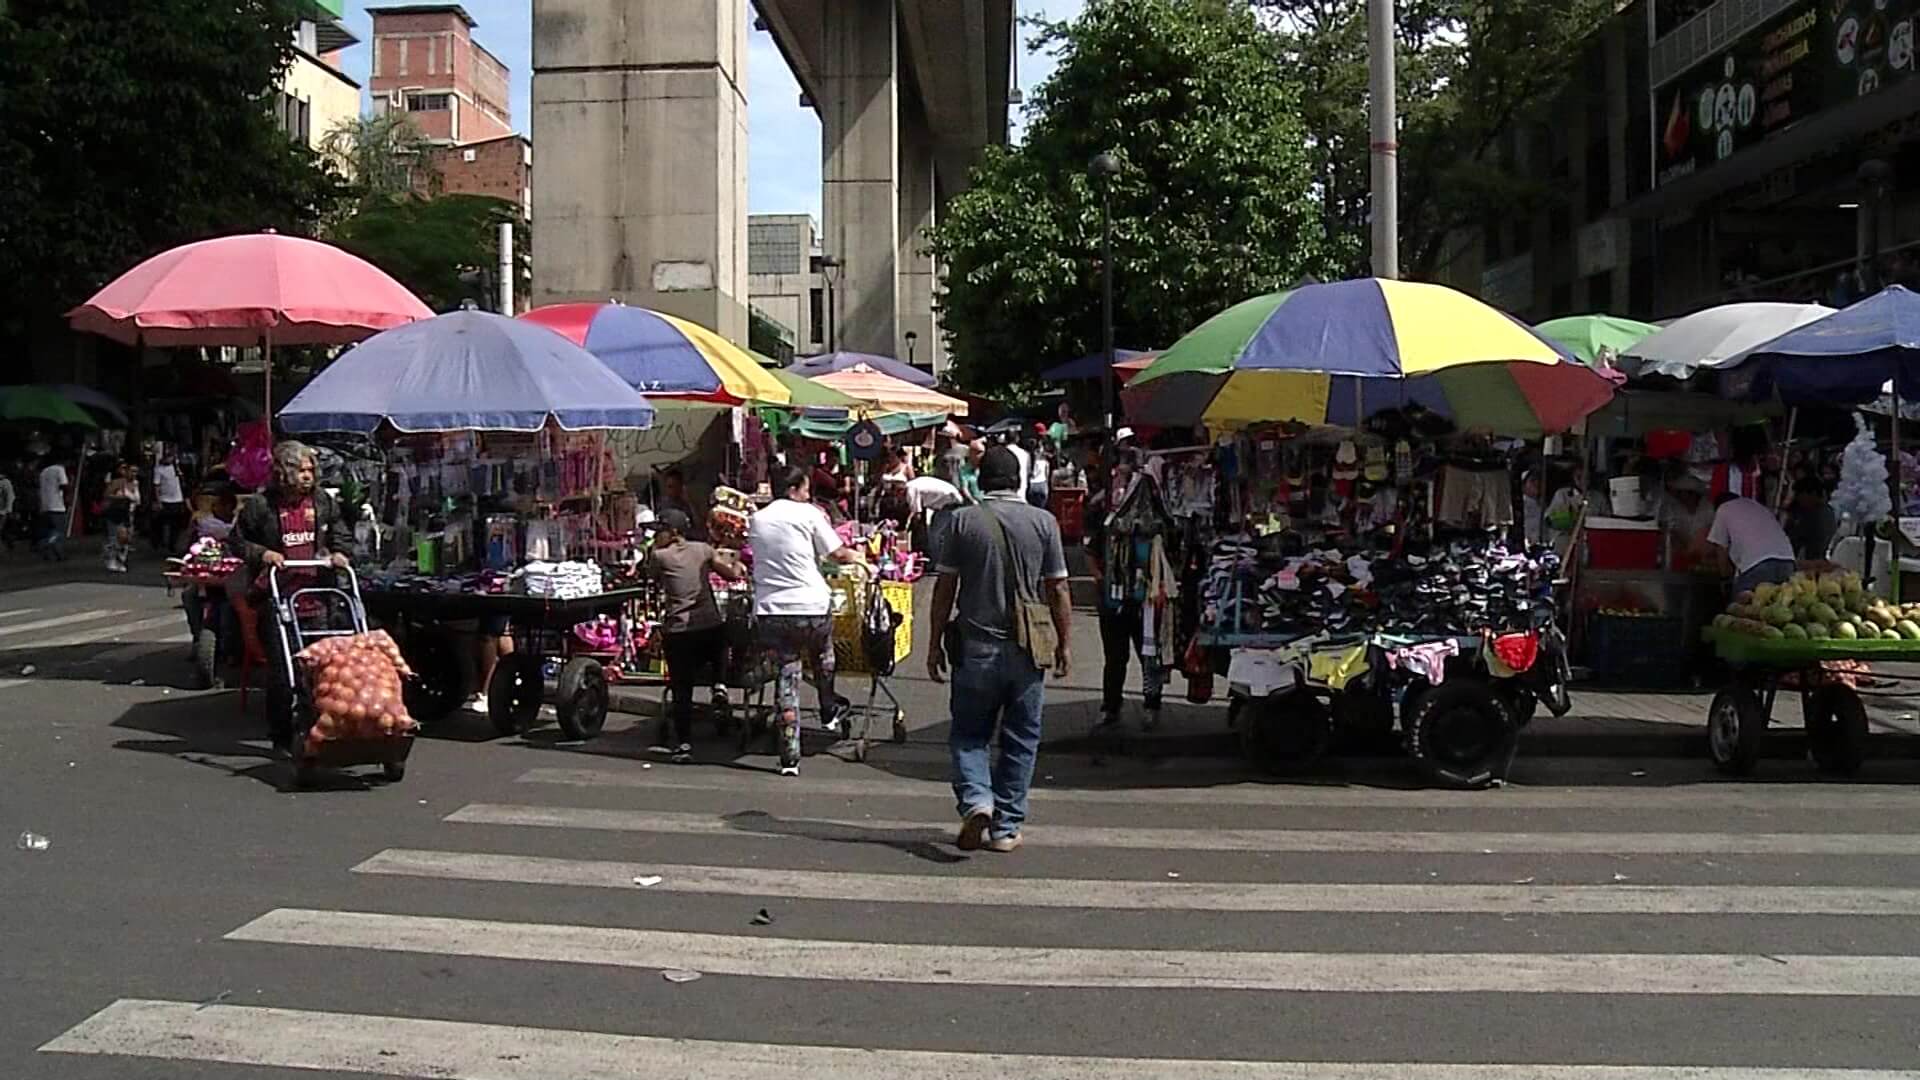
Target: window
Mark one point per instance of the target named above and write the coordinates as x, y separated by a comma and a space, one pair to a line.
774, 249
429, 102
816, 316
469, 155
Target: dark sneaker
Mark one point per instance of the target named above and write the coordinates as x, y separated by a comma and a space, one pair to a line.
683, 753
973, 829
1004, 844
1151, 720
789, 769
1107, 720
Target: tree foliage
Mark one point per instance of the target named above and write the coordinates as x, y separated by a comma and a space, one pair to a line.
1212, 204
445, 249
383, 157
129, 128
1470, 72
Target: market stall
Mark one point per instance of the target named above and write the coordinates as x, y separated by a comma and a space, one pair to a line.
1354, 568
496, 503
1812, 633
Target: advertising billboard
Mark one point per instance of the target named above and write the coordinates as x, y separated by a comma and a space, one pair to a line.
1813, 56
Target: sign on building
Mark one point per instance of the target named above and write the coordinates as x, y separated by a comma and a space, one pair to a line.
1815, 55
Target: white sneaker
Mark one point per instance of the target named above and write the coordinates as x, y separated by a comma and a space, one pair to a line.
478, 704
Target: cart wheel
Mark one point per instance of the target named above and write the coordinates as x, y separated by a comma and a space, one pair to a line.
1461, 732
394, 771
1285, 733
1735, 726
859, 751
303, 773
583, 698
206, 658
443, 672
515, 693
1520, 700
899, 726
1836, 729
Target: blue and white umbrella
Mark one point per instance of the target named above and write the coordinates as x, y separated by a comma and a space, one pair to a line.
466, 371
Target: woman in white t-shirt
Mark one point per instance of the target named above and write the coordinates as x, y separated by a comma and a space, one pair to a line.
792, 605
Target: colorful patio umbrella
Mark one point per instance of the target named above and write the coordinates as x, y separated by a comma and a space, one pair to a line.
883, 391
828, 363
1587, 336
42, 404
466, 371
1847, 358
254, 289
1338, 353
662, 355
812, 394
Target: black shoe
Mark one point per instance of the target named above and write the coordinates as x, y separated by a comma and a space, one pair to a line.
1107, 720
683, 754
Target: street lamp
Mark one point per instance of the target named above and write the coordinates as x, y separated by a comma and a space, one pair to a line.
830, 269
1103, 168
912, 337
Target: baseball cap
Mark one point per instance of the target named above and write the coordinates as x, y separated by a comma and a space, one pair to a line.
676, 520
1123, 434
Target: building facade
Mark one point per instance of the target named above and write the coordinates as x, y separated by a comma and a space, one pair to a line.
426, 63
1713, 152
501, 167
315, 94
783, 278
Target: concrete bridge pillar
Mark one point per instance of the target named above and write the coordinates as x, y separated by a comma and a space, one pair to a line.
640, 186
860, 142
918, 279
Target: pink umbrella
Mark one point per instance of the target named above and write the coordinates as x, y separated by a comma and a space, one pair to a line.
254, 289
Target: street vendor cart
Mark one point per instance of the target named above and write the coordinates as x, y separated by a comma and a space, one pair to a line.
1833, 712
543, 635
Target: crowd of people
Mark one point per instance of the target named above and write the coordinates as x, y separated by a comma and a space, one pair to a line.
48, 494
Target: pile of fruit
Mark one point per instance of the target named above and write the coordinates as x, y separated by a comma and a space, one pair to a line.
356, 689
1831, 607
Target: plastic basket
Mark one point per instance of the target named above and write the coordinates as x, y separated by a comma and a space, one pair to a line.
849, 622
1638, 650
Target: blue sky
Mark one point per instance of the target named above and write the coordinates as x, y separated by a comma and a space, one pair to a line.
784, 170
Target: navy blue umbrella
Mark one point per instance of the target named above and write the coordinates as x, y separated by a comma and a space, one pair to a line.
1843, 359
466, 371
1092, 366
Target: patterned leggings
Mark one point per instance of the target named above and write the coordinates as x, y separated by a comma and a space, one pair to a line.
794, 640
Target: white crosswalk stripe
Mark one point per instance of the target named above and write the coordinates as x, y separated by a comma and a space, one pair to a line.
822, 859
60, 620
17, 613
396, 1046
1170, 969
1155, 895
1300, 840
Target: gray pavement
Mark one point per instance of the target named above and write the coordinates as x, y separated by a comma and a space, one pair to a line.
482, 918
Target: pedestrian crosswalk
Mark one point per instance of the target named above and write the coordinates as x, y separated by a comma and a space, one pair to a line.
85, 638
608, 876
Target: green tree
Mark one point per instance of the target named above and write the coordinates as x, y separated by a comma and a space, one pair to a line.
1213, 202
383, 157
1471, 73
445, 249
129, 128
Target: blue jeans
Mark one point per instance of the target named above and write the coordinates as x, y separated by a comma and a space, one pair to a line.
995, 685
1768, 572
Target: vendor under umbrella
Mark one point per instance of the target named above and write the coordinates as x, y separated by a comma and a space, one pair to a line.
1750, 542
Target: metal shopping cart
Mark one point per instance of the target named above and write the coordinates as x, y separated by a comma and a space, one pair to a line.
304, 616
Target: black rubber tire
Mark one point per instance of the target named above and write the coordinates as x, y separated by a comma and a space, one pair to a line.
583, 698
515, 693
206, 658
394, 771
1461, 733
1736, 726
1836, 729
1283, 734
1521, 701
444, 676
899, 728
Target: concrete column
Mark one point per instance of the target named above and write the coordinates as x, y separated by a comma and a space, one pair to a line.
860, 141
640, 185
917, 271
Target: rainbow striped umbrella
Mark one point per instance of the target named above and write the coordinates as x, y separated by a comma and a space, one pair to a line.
663, 356
1338, 353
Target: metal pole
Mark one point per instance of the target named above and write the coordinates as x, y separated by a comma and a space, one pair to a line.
1106, 298
1385, 146
506, 268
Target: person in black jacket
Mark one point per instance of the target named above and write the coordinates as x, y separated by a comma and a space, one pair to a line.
292, 521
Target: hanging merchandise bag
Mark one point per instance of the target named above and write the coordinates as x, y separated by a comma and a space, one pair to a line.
250, 462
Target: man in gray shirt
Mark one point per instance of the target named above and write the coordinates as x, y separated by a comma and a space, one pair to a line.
995, 682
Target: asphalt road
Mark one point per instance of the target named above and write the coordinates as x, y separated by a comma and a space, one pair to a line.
488, 917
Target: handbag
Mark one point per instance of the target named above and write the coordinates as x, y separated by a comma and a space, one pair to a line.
1031, 617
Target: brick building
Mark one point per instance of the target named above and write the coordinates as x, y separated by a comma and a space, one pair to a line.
501, 167
426, 63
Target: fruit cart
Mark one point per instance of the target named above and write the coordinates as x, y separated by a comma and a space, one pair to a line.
1780, 637
543, 632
